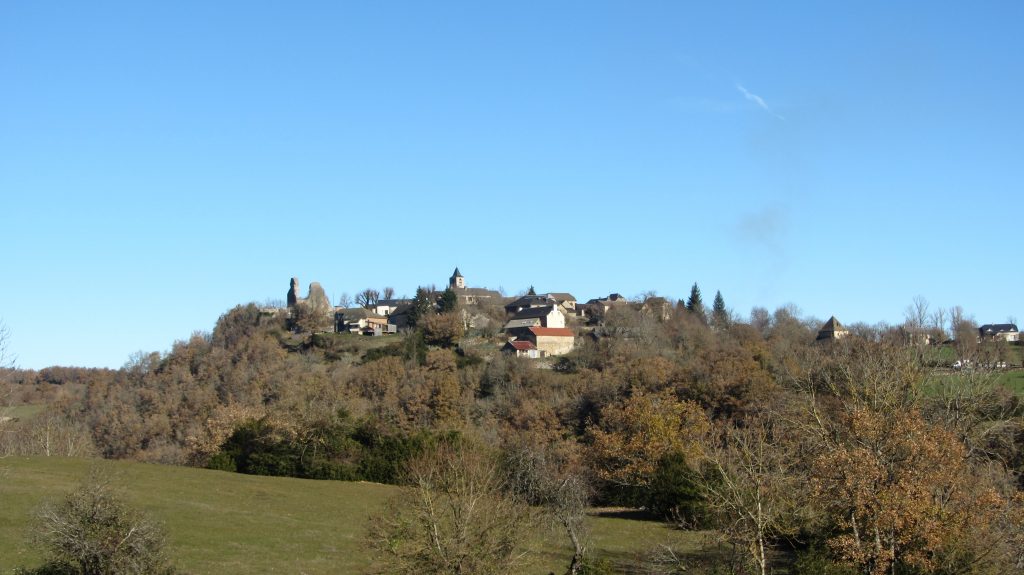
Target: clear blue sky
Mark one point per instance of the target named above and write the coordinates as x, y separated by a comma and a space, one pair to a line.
163, 162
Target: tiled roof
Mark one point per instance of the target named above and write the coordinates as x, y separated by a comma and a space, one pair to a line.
832, 325
522, 345
998, 328
562, 296
533, 312
552, 331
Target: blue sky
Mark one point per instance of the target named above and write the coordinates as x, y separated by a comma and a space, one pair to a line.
160, 164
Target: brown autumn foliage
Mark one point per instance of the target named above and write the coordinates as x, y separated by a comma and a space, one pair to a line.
837, 442
631, 436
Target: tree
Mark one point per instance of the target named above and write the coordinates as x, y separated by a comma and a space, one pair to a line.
531, 291
695, 304
367, 298
93, 532
632, 436
312, 316
444, 329
388, 293
719, 315
344, 300
457, 518
897, 491
422, 306
551, 478
748, 486
448, 301
6, 387
916, 313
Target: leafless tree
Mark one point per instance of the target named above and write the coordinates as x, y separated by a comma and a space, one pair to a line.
458, 517
94, 530
51, 433
748, 486
916, 313
388, 293
6, 387
345, 300
938, 322
549, 478
367, 298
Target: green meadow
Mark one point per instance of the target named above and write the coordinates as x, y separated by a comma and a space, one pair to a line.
219, 522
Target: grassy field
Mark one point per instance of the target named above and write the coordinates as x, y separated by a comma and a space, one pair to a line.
222, 522
22, 412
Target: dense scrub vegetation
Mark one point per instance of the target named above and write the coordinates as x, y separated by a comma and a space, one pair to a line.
832, 457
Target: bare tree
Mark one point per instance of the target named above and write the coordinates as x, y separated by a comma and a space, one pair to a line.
367, 298
6, 386
51, 433
458, 518
94, 532
388, 293
956, 317
938, 322
916, 313
550, 478
748, 486
345, 300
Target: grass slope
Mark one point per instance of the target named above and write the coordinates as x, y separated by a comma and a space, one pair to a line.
222, 522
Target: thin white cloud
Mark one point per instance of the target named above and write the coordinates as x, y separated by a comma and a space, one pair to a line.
757, 100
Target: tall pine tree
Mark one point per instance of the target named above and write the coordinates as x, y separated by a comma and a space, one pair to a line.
695, 304
448, 301
719, 316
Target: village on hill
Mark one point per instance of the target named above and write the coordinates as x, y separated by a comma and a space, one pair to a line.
538, 325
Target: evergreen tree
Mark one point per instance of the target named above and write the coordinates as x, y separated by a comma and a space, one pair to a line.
422, 306
719, 316
695, 304
531, 292
448, 301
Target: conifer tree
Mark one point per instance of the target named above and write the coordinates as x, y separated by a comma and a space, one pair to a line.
695, 304
422, 305
448, 301
719, 316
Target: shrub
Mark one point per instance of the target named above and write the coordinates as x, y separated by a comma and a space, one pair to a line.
93, 532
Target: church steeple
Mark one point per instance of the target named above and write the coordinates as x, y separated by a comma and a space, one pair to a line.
457, 281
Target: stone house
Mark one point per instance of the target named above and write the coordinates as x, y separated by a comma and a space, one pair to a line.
551, 340
386, 307
832, 330
547, 316
522, 348
356, 320
999, 332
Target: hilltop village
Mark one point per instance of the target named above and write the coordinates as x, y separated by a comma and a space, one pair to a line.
538, 325
535, 325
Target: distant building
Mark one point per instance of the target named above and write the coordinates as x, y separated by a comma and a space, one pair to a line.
386, 307
470, 295
832, 330
547, 316
999, 331
357, 320
522, 348
551, 340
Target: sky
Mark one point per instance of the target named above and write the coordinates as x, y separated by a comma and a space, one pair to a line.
161, 163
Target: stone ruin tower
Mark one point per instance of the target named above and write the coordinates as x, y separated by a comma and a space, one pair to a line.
293, 293
316, 297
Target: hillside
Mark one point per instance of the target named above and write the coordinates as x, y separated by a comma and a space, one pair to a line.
232, 523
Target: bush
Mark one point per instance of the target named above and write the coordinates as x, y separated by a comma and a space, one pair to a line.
93, 532
674, 493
